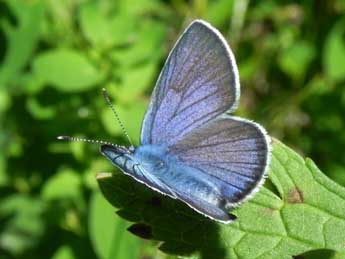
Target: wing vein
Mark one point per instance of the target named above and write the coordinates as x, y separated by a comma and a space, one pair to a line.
199, 119
219, 143
195, 102
221, 180
232, 171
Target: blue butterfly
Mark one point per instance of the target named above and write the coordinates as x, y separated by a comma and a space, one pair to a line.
191, 148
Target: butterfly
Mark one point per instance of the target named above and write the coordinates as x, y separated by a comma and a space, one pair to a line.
191, 148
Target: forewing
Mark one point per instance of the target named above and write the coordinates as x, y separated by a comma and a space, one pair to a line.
199, 81
230, 149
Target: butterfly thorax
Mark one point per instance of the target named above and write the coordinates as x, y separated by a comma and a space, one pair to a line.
156, 167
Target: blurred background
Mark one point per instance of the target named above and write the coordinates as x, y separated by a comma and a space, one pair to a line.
55, 56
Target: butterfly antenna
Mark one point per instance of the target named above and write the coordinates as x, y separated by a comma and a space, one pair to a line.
93, 141
107, 99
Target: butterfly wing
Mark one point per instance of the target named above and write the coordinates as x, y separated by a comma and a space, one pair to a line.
232, 150
197, 86
199, 81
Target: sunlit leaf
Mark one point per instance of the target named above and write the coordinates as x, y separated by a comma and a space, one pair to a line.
29, 15
146, 45
67, 70
64, 252
137, 7
102, 28
3, 175
38, 111
108, 232
24, 227
219, 11
65, 184
135, 81
5, 100
334, 52
295, 60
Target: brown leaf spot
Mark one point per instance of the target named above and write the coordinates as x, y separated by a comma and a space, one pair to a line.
268, 211
295, 196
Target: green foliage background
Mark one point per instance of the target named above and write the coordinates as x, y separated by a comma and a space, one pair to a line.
56, 56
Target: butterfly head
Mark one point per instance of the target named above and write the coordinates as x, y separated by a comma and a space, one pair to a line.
112, 151
147, 159
121, 156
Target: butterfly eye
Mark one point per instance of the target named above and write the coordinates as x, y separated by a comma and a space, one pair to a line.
160, 164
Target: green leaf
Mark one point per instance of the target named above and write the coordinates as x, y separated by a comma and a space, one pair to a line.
218, 12
334, 52
145, 46
23, 228
3, 175
5, 100
108, 232
29, 16
338, 255
134, 82
39, 111
64, 252
65, 184
94, 24
308, 214
295, 60
67, 70
103, 29
129, 115
140, 7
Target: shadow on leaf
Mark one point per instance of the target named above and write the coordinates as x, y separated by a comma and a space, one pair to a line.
181, 230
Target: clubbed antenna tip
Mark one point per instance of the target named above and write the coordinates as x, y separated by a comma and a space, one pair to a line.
94, 141
64, 138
